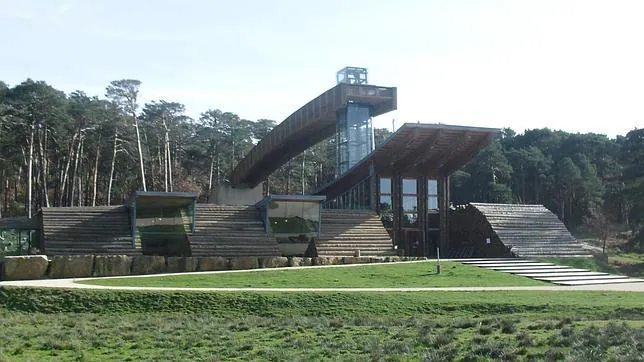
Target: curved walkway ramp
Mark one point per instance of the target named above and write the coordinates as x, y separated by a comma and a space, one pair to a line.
306, 127
530, 230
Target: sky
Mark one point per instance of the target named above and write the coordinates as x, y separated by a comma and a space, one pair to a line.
577, 66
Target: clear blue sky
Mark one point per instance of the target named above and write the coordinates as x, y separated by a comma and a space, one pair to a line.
571, 65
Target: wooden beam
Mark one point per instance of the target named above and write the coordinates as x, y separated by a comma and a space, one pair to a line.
407, 149
464, 157
455, 150
427, 152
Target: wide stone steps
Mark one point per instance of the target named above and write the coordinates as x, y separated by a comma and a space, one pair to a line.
556, 274
222, 230
347, 232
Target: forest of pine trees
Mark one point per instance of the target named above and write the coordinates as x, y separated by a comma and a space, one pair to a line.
60, 149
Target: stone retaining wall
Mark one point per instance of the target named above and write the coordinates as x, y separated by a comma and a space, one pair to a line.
79, 266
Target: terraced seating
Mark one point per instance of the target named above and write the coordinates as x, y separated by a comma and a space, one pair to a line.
530, 230
226, 230
343, 232
87, 230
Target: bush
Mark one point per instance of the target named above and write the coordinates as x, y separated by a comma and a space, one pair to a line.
508, 326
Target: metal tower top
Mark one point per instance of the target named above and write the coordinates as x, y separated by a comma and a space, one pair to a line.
352, 75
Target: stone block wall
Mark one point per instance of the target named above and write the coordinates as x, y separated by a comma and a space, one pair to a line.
82, 266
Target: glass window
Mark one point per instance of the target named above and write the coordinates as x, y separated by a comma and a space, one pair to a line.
410, 204
410, 220
385, 185
294, 217
409, 186
432, 202
385, 202
432, 187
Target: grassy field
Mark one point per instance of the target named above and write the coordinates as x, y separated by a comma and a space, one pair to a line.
393, 275
116, 325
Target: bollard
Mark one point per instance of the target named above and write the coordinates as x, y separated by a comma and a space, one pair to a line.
438, 260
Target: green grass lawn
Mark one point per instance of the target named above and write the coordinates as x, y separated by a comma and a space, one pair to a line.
395, 275
52, 324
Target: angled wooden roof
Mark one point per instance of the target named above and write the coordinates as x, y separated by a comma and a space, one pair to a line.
417, 149
309, 125
530, 230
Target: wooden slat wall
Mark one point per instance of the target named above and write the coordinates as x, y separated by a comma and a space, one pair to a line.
87, 230
529, 230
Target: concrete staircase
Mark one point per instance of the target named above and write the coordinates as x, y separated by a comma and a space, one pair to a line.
548, 272
343, 232
226, 230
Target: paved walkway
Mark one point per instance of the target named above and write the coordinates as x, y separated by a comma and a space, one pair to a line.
72, 284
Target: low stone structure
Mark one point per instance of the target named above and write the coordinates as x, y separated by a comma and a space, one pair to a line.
24, 267
112, 265
80, 266
213, 263
182, 264
274, 262
246, 262
72, 266
148, 264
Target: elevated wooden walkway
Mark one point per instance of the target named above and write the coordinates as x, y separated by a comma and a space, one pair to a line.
343, 232
225, 230
87, 230
529, 230
307, 126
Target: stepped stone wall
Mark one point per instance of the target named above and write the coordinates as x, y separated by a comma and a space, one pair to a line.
81, 266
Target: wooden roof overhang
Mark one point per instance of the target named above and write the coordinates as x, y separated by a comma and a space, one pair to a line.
307, 126
415, 150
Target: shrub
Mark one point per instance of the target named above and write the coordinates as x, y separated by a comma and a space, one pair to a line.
464, 323
485, 330
508, 326
525, 340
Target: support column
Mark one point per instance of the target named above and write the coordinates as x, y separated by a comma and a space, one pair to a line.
374, 193
421, 195
443, 209
397, 209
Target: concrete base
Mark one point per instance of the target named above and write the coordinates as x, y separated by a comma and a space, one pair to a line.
227, 195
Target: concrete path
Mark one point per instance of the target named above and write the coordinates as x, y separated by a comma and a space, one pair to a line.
72, 283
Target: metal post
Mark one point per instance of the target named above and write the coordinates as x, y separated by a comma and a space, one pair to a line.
438, 260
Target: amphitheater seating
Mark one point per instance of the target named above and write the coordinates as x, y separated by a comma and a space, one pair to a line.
225, 230
343, 232
530, 230
87, 230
